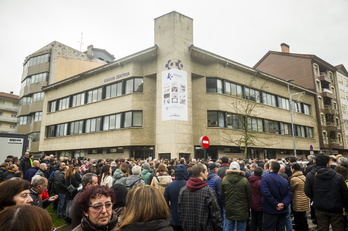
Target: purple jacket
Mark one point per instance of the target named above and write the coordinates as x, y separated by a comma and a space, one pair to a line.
256, 196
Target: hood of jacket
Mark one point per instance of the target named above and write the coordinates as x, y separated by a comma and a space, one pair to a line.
234, 176
325, 173
181, 172
194, 184
118, 174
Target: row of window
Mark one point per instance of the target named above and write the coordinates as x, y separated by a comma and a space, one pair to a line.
237, 121
225, 87
36, 97
122, 87
28, 119
37, 60
102, 123
37, 78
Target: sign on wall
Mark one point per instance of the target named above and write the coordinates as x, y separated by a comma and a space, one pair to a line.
174, 95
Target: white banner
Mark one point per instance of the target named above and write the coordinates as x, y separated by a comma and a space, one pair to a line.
174, 95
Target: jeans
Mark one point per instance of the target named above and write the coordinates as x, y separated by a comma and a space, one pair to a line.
61, 205
288, 220
230, 225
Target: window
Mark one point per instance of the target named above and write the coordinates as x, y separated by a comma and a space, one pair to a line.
271, 126
269, 99
78, 99
53, 106
130, 119
283, 103
127, 120
50, 131
94, 95
25, 101
214, 85
38, 116
285, 129
233, 121
318, 85
38, 97
62, 129
129, 86
322, 119
306, 109
252, 94
316, 69
76, 127
255, 124
137, 119
216, 119
138, 84
63, 103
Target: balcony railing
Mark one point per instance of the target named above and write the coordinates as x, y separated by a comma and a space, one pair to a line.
8, 108
324, 77
8, 119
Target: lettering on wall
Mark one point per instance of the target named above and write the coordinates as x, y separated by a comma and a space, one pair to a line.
113, 78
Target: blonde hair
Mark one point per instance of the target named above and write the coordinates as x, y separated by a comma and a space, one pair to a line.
144, 203
70, 172
161, 169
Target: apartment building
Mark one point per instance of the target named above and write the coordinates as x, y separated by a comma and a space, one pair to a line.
342, 82
8, 112
158, 102
314, 73
52, 63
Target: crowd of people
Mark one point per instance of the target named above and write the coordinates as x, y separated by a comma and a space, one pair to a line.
128, 194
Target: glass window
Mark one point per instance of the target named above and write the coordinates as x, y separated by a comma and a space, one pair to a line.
221, 119
53, 106
113, 91
119, 89
107, 92
106, 123
212, 119
138, 84
38, 116
129, 86
127, 119
118, 121
227, 88
112, 123
88, 126
137, 119
219, 86
211, 85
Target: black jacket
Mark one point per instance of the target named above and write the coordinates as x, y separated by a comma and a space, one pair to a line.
155, 225
327, 189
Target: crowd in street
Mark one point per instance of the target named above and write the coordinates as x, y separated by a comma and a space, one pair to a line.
128, 194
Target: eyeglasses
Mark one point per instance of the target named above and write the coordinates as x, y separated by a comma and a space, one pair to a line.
99, 207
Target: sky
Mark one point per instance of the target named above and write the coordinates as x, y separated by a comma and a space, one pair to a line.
243, 31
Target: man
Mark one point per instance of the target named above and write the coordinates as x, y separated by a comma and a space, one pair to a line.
198, 207
328, 191
224, 166
38, 186
88, 180
276, 195
171, 194
214, 181
255, 204
300, 202
28, 175
60, 187
10, 172
25, 163
236, 194
42, 170
3, 170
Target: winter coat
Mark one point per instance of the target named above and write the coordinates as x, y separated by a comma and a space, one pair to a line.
158, 225
119, 177
146, 176
275, 189
256, 196
37, 199
327, 189
160, 181
106, 180
198, 207
222, 170
132, 181
171, 193
214, 182
30, 173
87, 225
236, 194
300, 202
24, 165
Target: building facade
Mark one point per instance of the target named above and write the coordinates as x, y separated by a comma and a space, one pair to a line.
342, 82
46, 66
313, 73
8, 112
158, 102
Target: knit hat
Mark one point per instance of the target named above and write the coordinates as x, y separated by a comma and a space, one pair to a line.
212, 166
234, 166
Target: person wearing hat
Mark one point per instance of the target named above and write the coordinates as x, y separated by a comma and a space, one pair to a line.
236, 193
145, 173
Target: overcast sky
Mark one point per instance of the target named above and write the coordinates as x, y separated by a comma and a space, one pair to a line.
242, 30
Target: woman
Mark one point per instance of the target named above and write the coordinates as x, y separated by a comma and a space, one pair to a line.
70, 179
96, 204
14, 192
29, 218
121, 174
121, 193
106, 177
146, 210
161, 178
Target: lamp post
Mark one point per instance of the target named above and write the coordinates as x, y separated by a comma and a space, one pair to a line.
292, 115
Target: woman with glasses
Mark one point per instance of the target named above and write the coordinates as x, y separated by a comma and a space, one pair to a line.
14, 192
96, 204
39, 185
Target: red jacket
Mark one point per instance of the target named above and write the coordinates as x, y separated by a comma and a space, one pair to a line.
256, 196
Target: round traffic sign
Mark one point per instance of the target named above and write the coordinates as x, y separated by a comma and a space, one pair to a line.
204, 142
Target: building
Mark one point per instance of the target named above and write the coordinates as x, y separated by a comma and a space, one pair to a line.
50, 64
342, 81
8, 112
158, 102
313, 73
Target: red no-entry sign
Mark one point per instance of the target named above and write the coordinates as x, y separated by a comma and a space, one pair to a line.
204, 142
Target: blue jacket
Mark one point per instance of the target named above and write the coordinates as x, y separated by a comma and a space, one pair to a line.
214, 182
30, 173
172, 190
275, 189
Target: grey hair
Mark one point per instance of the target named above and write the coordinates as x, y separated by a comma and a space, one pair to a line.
87, 178
38, 180
343, 161
136, 170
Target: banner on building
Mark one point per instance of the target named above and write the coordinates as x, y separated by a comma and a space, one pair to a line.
174, 95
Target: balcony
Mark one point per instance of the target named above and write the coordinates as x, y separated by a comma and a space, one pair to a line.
8, 119
8, 108
324, 77
326, 93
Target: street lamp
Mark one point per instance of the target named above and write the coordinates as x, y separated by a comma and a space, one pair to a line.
292, 114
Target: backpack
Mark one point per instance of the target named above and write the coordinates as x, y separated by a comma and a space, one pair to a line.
50, 187
129, 187
161, 182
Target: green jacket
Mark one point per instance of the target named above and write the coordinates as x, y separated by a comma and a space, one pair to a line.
236, 194
146, 176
